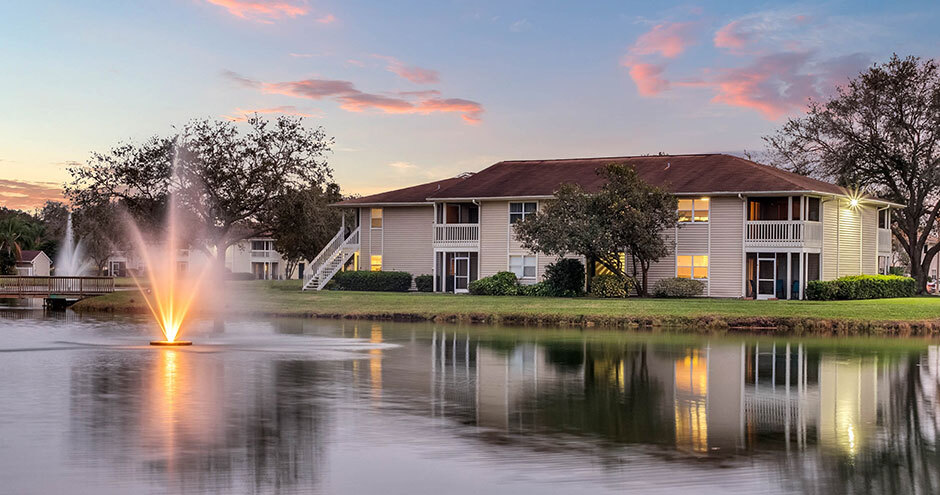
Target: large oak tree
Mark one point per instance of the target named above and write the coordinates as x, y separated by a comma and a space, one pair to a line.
226, 177
880, 132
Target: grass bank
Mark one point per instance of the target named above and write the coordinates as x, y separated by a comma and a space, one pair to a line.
909, 316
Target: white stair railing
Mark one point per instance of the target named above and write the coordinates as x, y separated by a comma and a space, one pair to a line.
327, 250
331, 259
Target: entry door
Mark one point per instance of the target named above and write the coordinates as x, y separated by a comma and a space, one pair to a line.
766, 278
461, 273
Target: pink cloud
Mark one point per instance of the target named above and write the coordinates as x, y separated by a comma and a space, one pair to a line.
353, 100
648, 79
241, 114
731, 36
27, 195
666, 39
327, 19
262, 10
417, 75
778, 84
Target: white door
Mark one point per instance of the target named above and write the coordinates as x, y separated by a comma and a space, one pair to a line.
766, 278
461, 273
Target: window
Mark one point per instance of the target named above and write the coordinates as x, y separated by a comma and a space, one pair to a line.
795, 208
259, 246
376, 216
884, 221
812, 209
692, 267
458, 213
693, 210
522, 266
519, 211
376, 261
768, 208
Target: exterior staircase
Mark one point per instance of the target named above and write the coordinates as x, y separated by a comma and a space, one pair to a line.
331, 259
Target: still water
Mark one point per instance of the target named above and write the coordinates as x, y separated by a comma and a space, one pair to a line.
314, 406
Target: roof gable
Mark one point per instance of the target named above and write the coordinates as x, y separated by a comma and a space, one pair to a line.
407, 195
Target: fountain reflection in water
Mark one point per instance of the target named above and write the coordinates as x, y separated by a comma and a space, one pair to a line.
169, 289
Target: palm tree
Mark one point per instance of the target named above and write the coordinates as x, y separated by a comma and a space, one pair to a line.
11, 236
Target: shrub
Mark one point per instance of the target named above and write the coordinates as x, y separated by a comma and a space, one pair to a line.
678, 287
373, 281
540, 289
896, 270
499, 284
424, 283
608, 286
565, 278
861, 287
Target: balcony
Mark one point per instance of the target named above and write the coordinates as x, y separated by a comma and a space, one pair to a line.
782, 233
264, 255
457, 235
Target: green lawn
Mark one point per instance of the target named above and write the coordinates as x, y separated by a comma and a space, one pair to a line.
285, 298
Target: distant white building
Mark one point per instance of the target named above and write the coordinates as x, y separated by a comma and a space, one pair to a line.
255, 256
33, 264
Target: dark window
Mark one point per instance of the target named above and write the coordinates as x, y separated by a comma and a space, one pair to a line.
795, 209
883, 219
812, 266
768, 208
519, 211
258, 246
812, 209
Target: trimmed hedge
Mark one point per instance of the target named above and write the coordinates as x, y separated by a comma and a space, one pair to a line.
424, 283
609, 286
678, 287
498, 284
373, 281
861, 287
540, 289
565, 278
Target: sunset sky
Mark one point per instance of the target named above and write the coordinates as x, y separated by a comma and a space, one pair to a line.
416, 91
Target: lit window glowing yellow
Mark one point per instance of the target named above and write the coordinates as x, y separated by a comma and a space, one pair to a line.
376, 262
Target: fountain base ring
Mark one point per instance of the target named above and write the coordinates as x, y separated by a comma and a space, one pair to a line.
170, 343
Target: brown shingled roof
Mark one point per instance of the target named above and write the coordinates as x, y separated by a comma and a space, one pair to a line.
413, 194
689, 174
28, 255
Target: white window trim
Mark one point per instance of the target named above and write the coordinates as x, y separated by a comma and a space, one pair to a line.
708, 267
693, 220
523, 212
535, 264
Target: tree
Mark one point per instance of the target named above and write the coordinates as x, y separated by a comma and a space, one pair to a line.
881, 132
101, 229
626, 216
303, 223
224, 181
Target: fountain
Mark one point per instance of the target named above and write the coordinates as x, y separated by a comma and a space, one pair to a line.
169, 294
70, 262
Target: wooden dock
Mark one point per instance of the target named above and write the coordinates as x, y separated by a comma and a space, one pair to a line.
68, 288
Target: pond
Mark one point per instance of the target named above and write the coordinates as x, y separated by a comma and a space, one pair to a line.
342, 406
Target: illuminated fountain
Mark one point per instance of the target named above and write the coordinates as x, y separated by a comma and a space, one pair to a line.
70, 261
170, 293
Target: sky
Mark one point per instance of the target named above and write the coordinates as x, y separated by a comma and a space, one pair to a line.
418, 91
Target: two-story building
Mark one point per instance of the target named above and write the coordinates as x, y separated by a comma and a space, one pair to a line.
745, 229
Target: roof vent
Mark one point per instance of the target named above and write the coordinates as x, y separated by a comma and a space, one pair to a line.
463, 175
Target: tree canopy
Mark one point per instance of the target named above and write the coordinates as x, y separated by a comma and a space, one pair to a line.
626, 216
226, 178
880, 132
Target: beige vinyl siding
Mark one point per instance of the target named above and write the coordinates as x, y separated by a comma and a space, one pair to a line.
666, 266
726, 260
692, 238
830, 250
365, 238
850, 232
494, 229
869, 240
408, 239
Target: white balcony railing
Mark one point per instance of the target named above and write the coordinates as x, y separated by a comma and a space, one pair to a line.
263, 254
884, 240
782, 233
457, 235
